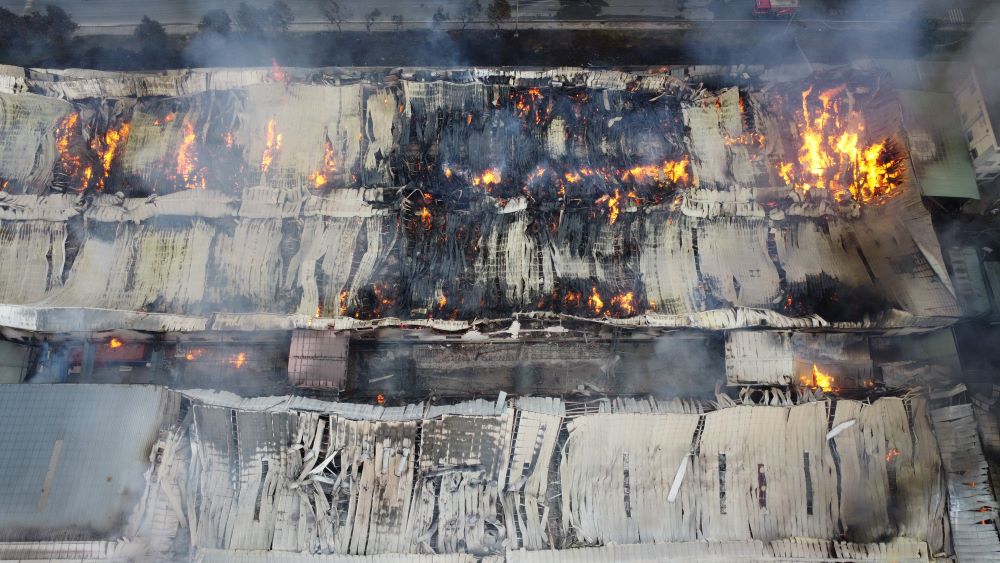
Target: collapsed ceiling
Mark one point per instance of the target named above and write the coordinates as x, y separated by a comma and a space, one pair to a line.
255, 199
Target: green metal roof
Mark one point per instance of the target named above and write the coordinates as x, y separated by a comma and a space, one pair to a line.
938, 151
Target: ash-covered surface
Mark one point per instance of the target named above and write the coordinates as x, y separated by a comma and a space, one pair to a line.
295, 198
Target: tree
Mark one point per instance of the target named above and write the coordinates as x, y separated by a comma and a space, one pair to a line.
498, 12
279, 15
257, 21
397, 20
215, 21
469, 11
371, 18
150, 34
332, 12
440, 16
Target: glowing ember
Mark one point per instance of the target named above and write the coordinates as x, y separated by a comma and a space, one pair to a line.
115, 343
4, 184
271, 147
891, 455
447, 172
194, 354
488, 179
380, 399
833, 156
817, 380
320, 178
594, 302
187, 160
442, 300
239, 360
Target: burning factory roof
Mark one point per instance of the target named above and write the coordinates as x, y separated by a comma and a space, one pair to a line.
211, 199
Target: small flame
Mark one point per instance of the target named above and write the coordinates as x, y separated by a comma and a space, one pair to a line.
230, 140
320, 178
239, 360
115, 343
342, 302
106, 152
72, 165
614, 205
187, 160
817, 380
489, 178
194, 354
380, 399
625, 303
442, 301
671, 171
595, 302
165, 119
272, 145
425, 218
891, 455
278, 74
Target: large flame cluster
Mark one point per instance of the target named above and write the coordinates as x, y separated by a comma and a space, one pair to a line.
94, 165
818, 379
834, 154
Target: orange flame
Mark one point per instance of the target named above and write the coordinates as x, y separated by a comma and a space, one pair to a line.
892, 454
187, 160
239, 360
342, 302
320, 178
194, 354
672, 171
425, 218
833, 157
380, 399
625, 303
278, 74
614, 205
115, 343
442, 300
595, 302
488, 178
817, 380
165, 119
106, 152
72, 164
271, 146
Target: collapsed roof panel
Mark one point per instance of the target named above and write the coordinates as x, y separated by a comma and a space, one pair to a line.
297, 475
448, 196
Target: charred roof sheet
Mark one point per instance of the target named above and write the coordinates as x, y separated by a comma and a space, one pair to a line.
444, 198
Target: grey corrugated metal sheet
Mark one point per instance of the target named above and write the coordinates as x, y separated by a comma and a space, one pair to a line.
799, 549
73, 457
220, 556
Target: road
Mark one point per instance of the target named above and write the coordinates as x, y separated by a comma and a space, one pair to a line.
96, 14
